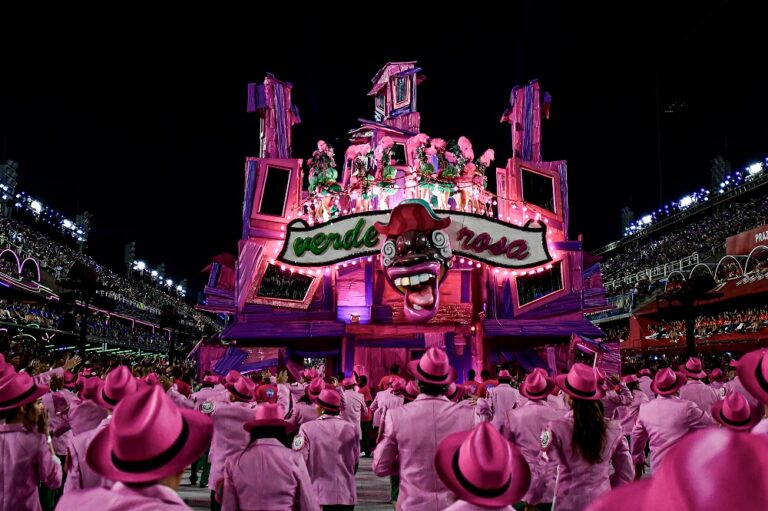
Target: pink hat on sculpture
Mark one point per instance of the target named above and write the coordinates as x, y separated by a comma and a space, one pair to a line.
119, 384
630, 378
243, 389
17, 389
411, 391
149, 438
348, 383
580, 383
536, 386
433, 367
504, 375
693, 369
482, 468
753, 374
716, 374
736, 413
329, 399
709, 470
315, 387
645, 372
667, 382
455, 392
269, 415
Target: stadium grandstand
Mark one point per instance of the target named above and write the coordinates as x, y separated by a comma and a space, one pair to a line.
713, 240
42, 267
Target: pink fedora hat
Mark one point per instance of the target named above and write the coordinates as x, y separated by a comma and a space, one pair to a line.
455, 392
433, 367
329, 399
6, 368
90, 387
753, 374
709, 470
152, 379
481, 467
411, 390
17, 389
736, 413
243, 389
211, 380
645, 372
667, 382
119, 384
693, 368
504, 375
149, 438
269, 415
536, 386
398, 385
580, 383
348, 383
231, 377
630, 378
315, 387
716, 374
70, 381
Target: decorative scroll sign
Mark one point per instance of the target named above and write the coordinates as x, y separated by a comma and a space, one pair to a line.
478, 237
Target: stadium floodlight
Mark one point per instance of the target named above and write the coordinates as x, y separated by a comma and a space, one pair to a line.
154, 273
179, 288
67, 223
141, 265
169, 282
686, 201
755, 168
36, 206
646, 219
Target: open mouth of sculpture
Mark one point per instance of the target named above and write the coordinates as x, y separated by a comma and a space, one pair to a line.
419, 283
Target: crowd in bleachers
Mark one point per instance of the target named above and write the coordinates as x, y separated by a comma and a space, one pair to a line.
704, 236
739, 321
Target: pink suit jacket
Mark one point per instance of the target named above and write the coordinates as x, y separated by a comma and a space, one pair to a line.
266, 476
501, 399
80, 475
123, 498
229, 437
703, 395
383, 401
410, 435
627, 415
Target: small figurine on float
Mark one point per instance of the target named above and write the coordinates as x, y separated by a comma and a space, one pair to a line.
481, 198
386, 175
322, 181
361, 182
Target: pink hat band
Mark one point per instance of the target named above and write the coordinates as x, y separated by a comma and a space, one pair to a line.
18, 389
580, 382
329, 400
348, 382
504, 374
536, 386
666, 380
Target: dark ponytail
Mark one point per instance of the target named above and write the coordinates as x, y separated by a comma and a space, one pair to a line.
588, 429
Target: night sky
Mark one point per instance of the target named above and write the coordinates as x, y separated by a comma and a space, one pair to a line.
145, 126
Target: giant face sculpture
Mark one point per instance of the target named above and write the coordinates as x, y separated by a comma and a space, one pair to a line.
416, 256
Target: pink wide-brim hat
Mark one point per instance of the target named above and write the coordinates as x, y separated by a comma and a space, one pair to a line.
232, 376
735, 412
119, 384
315, 387
69, 380
398, 385
711, 469
148, 439
536, 386
481, 467
455, 392
504, 374
753, 374
6, 368
243, 389
348, 382
18, 389
329, 399
433, 367
212, 380
580, 383
269, 415
716, 374
630, 378
693, 368
645, 372
152, 379
667, 382
411, 390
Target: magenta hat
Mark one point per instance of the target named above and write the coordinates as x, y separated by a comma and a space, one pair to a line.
118, 384
505, 374
243, 389
580, 383
455, 392
90, 387
269, 415
211, 380
17, 389
667, 382
69, 380
152, 379
482, 468
149, 438
716, 374
348, 382
693, 368
6, 368
536, 386
398, 385
733, 363
630, 378
711, 469
433, 368
310, 374
753, 374
645, 372
736, 413
85, 416
329, 399
315, 387
411, 391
